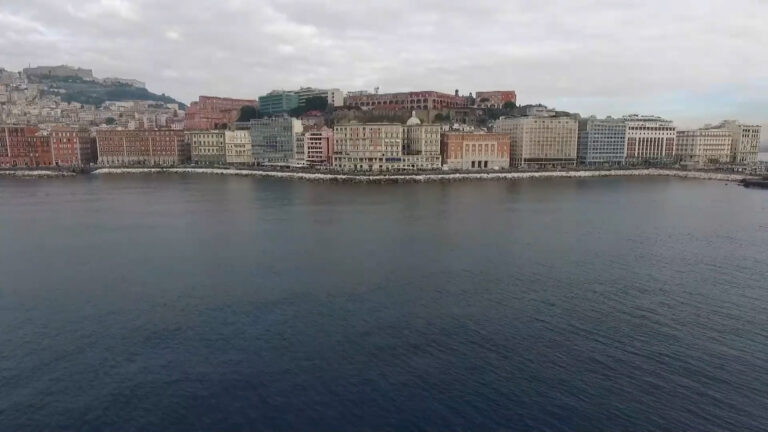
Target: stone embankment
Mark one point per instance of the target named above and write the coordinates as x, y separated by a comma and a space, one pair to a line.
35, 173
411, 178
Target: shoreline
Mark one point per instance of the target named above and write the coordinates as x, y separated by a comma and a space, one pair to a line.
36, 173
422, 178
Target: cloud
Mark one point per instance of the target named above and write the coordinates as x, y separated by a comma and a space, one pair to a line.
695, 62
119, 8
172, 35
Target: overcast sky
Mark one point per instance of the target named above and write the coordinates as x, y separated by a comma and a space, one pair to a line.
692, 61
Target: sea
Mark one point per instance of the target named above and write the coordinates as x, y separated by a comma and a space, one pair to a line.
171, 302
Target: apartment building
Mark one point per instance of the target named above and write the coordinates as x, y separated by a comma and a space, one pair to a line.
540, 140
601, 141
207, 147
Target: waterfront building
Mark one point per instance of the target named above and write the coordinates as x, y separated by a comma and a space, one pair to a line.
545, 139
421, 145
703, 146
207, 147
368, 147
71, 146
24, 146
299, 153
745, 141
273, 140
494, 99
601, 141
238, 148
419, 100
210, 112
278, 102
163, 147
649, 139
467, 151
335, 97
318, 146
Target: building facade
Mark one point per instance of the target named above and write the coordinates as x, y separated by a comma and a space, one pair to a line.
71, 146
368, 147
278, 102
273, 140
703, 146
467, 151
420, 100
494, 99
24, 146
335, 97
544, 140
318, 145
238, 148
601, 141
59, 71
649, 139
210, 112
207, 147
163, 147
745, 141
421, 145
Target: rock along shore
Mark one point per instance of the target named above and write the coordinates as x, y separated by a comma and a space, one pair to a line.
35, 173
419, 178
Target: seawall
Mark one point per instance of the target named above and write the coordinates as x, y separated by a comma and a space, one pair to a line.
417, 178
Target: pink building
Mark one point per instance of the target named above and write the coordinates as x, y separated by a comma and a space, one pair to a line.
420, 100
494, 99
209, 112
318, 144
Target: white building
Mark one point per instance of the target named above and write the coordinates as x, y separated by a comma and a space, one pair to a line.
237, 147
540, 140
368, 147
745, 141
421, 145
649, 139
703, 146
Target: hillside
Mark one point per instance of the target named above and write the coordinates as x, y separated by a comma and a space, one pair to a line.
76, 89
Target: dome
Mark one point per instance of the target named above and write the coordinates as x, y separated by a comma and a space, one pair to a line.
413, 121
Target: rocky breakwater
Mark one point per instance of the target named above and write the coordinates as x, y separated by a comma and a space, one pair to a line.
411, 178
32, 173
757, 182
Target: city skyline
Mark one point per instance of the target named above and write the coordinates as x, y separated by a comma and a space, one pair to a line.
690, 65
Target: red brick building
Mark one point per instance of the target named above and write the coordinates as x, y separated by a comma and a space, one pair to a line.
71, 146
470, 150
208, 112
21, 146
420, 100
161, 147
494, 99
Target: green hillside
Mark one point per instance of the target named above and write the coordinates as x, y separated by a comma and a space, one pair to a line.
75, 89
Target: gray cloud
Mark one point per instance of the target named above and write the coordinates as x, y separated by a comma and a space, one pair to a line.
693, 61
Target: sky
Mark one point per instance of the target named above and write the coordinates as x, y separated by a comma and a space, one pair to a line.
694, 62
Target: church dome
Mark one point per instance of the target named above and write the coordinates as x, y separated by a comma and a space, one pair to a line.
413, 121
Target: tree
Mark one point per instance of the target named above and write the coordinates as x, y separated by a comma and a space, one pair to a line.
109, 121
440, 117
248, 113
509, 106
314, 103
